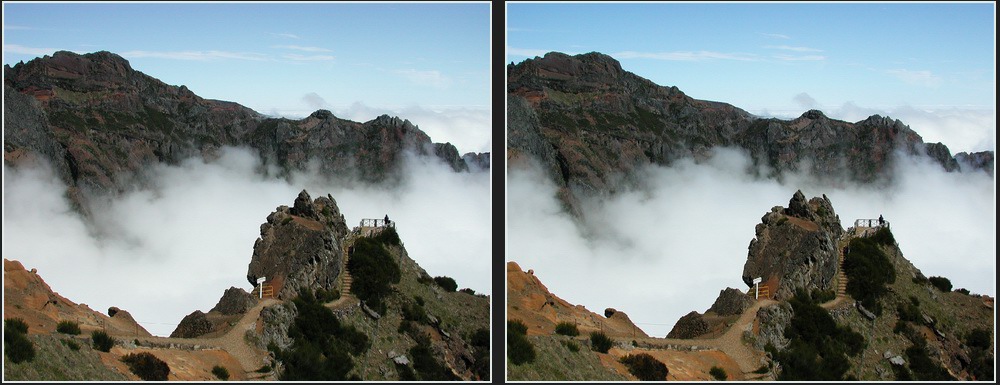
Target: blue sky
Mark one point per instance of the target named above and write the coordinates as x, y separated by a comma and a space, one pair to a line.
777, 59
356, 59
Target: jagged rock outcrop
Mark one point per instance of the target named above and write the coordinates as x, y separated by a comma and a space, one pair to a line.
773, 320
477, 161
689, 326
983, 160
795, 247
234, 301
300, 247
730, 302
590, 124
193, 325
100, 123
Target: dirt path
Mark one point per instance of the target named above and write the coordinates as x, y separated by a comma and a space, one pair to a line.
731, 342
249, 357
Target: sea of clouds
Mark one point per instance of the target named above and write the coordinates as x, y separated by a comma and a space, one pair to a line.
173, 246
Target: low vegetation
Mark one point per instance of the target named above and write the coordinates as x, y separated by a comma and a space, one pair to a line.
220, 372
600, 342
567, 329
102, 341
519, 349
719, 374
374, 271
322, 348
68, 327
147, 366
980, 354
427, 368
941, 283
480, 341
644, 367
446, 283
869, 270
818, 347
16, 345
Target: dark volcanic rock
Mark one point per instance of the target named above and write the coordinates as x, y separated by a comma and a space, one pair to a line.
731, 301
795, 247
984, 160
689, 326
100, 123
590, 125
477, 161
193, 325
234, 301
300, 247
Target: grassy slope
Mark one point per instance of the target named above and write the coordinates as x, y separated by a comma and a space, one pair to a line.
54, 361
555, 362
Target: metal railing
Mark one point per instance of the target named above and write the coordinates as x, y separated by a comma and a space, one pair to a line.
377, 223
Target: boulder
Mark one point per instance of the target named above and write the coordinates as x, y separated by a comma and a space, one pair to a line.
730, 302
193, 325
234, 301
689, 326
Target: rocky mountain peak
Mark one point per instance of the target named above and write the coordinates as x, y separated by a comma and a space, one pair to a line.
795, 247
300, 247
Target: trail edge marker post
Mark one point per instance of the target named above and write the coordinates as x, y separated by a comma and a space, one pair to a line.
260, 290
756, 285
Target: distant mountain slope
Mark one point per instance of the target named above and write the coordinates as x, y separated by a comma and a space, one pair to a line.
99, 123
591, 124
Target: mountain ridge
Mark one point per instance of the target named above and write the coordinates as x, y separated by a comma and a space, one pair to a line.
591, 125
100, 123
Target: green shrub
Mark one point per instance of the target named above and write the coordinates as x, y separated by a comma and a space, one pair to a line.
102, 341
16, 345
869, 273
980, 355
978, 338
571, 345
15, 325
719, 374
567, 329
480, 338
763, 369
941, 283
468, 291
266, 368
446, 283
821, 296
147, 366
388, 236
480, 341
923, 368
324, 296
644, 367
374, 271
220, 372
818, 347
599, 342
962, 290
426, 366
519, 349
405, 373
68, 327
414, 312
883, 236
321, 346
71, 344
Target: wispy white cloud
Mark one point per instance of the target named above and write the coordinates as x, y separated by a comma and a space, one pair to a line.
686, 56
430, 78
197, 55
301, 48
775, 36
791, 48
800, 57
526, 52
286, 35
20, 49
920, 78
297, 57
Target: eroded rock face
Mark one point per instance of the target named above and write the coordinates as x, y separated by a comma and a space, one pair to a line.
235, 301
773, 321
795, 247
300, 247
689, 326
193, 325
731, 301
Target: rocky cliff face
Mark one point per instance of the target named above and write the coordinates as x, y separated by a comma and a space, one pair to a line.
795, 247
99, 123
591, 124
300, 247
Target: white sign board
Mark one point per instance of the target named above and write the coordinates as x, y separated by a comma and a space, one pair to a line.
261, 279
757, 280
